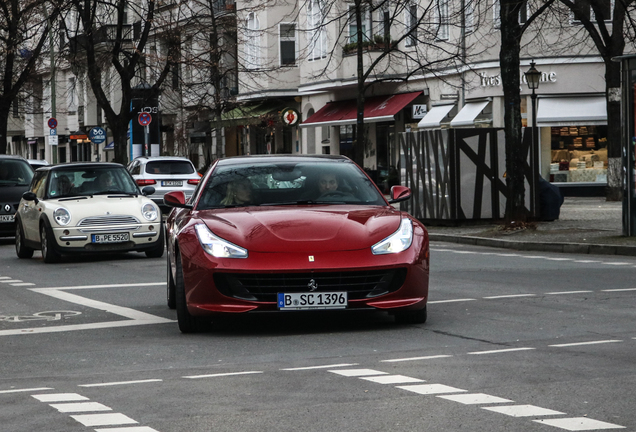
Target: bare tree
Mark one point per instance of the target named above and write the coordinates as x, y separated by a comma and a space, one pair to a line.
24, 31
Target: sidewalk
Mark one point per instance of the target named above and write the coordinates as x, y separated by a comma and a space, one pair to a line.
586, 225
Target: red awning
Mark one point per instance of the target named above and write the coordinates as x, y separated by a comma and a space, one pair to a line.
376, 109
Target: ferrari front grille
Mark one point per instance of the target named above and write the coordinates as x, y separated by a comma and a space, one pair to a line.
265, 286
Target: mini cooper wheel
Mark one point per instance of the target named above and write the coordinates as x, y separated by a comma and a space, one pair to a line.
187, 322
21, 249
49, 255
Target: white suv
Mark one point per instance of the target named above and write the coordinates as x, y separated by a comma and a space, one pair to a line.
165, 174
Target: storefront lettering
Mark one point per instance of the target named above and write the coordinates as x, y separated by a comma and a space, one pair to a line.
495, 80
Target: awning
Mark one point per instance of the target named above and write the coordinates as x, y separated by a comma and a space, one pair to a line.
376, 109
435, 116
252, 114
469, 112
572, 111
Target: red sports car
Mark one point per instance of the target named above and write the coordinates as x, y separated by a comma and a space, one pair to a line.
281, 233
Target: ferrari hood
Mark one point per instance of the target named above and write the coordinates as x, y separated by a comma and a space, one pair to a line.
303, 229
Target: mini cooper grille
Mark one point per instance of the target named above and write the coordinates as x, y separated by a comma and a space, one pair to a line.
264, 287
99, 221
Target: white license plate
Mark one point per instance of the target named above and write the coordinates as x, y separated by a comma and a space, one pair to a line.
7, 218
110, 238
322, 300
171, 183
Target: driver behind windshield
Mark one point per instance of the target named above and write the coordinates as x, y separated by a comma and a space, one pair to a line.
327, 183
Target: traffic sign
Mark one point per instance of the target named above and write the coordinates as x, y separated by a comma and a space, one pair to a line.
52, 132
145, 118
52, 122
97, 135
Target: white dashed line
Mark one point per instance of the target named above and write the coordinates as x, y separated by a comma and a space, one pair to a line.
223, 374
475, 399
415, 358
25, 390
451, 301
392, 379
357, 372
103, 419
10, 281
579, 424
128, 429
501, 351
320, 367
23, 284
587, 261
509, 296
119, 383
587, 343
568, 292
431, 389
80, 407
617, 263
60, 397
619, 289
523, 410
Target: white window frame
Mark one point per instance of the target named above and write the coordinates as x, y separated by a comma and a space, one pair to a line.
287, 38
317, 42
367, 26
443, 19
252, 41
383, 19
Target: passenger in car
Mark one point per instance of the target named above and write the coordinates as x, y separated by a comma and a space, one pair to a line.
239, 192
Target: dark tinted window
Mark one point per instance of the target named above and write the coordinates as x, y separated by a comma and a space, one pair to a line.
15, 172
169, 167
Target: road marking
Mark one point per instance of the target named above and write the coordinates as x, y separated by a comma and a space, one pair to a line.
501, 351
619, 290
431, 389
77, 287
358, 372
617, 263
587, 261
60, 397
119, 383
415, 358
128, 429
103, 419
587, 343
578, 424
392, 379
25, 390
558, 259
568, 292
320, 367
451, 301
10, 281
475, 399
23, 284
523, 410
509, 296
223, 374
80, 407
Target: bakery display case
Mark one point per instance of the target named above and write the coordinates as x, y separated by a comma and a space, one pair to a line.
578, 154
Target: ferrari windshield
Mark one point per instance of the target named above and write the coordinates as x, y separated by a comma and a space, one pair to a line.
286, 183
84, 180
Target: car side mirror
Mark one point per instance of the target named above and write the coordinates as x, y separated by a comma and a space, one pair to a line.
399, 193
30, 196
148, 190
176, 199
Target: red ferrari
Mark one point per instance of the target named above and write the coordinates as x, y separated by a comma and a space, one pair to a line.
293, 233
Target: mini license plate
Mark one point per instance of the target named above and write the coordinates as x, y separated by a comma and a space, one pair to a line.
321, 300
172, 183
110, 238
7, 218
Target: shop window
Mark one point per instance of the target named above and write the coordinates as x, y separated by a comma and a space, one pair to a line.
579, 154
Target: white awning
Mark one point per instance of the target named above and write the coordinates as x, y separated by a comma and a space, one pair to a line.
572, 111
469, 112
434, 117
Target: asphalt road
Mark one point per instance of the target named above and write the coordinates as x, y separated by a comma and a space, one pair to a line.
514, 342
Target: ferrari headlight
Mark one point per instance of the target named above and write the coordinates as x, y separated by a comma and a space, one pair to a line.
62, 216
149, 211
397, 242
216, 246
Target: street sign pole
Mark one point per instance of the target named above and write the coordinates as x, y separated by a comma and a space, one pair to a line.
146, 132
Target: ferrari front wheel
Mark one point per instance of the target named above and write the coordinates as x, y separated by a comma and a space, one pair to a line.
187, 322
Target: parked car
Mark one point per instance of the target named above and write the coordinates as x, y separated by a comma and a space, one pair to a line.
15, 177
280, 233
87, 208
37, 163
165, 174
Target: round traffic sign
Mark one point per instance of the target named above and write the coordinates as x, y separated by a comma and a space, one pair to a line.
97, 135
52, 122
145, 118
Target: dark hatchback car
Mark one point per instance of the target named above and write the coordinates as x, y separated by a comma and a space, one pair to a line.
15, 177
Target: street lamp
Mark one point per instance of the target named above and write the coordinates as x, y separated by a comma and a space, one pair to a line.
533, 77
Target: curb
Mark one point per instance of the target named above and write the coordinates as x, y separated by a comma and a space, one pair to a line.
574, 248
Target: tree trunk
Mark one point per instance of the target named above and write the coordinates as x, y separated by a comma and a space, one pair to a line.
4, 125
119, 129
515, 158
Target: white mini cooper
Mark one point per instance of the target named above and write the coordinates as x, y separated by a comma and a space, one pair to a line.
87, 207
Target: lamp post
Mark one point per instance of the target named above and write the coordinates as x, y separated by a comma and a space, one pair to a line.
533, 77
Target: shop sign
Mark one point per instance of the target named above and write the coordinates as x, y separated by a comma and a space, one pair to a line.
290, 116
419, 111
495, 80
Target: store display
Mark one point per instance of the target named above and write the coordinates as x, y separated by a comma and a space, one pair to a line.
581, 151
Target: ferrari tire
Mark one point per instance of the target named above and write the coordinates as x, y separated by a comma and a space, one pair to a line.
411, 317
49, 254
21, 249
157, 250
171, 288
187, 322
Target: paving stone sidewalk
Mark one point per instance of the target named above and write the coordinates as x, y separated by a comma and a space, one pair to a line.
585, 225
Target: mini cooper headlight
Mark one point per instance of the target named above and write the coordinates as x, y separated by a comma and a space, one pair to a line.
149, 211
62, 216
397, 242
216, 246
